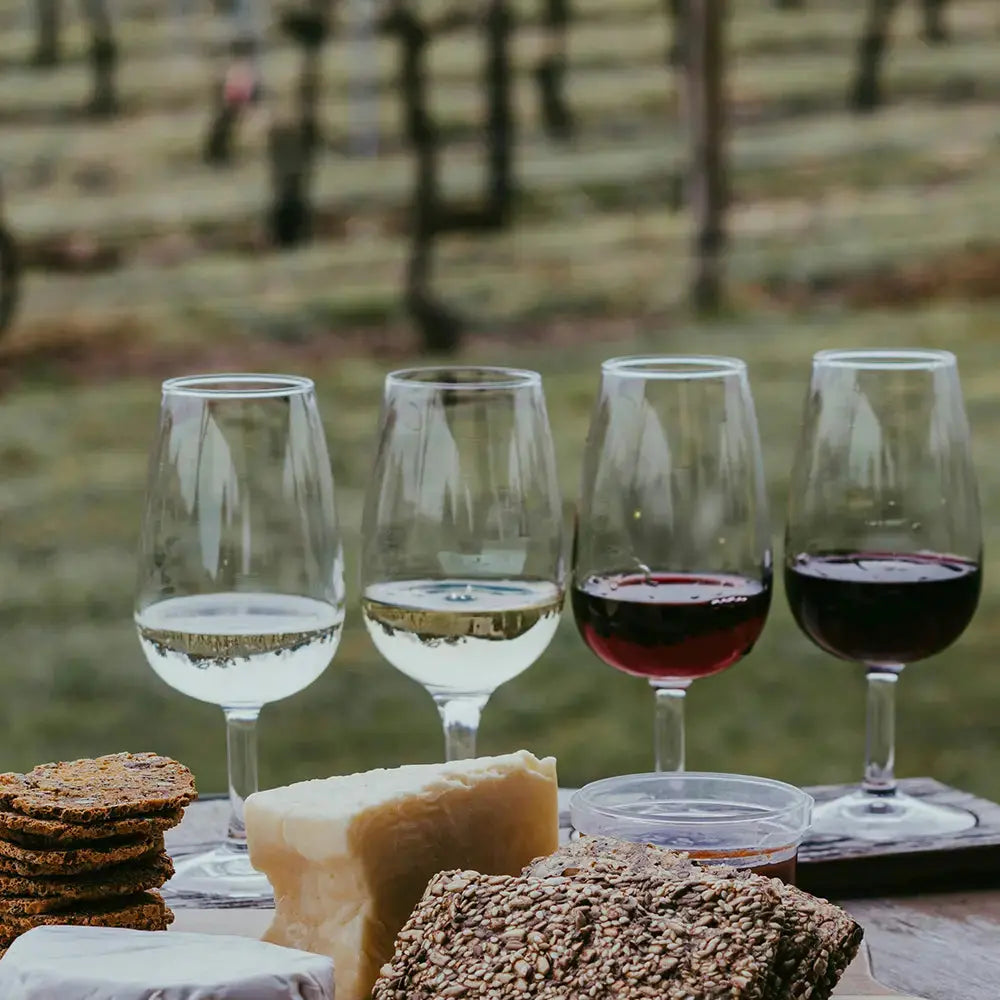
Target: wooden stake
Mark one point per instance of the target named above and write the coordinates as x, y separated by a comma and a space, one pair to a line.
706, 113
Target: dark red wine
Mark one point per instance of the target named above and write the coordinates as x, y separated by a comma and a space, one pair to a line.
880, 608
671, 625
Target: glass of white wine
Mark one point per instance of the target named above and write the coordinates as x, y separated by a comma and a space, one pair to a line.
240, 595
463, 563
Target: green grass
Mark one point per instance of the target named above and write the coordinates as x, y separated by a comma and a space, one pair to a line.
595, 265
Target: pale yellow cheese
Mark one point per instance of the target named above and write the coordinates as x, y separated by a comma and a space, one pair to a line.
349, 857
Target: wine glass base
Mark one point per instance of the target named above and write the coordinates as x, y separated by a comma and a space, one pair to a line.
864, 816
223, 873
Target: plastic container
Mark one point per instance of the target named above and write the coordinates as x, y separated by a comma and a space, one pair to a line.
733, 819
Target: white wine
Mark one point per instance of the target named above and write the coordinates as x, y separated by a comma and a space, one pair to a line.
236, 649
462, 636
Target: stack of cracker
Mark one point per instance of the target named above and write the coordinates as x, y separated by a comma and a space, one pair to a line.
81, 842
604, 918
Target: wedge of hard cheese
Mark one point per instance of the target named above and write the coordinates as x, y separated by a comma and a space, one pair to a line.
350, 857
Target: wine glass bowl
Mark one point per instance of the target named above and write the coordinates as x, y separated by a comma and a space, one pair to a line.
462, 564
240, 593
883, 548
671, 558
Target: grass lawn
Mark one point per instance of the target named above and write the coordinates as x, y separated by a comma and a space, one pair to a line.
879, 231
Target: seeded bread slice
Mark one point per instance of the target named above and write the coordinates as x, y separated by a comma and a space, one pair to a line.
21, 896
49, 834
111, 787
518, 937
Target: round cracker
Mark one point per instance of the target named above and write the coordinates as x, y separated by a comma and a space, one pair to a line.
111, 787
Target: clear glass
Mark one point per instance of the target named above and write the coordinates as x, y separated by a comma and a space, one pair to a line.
883, 549
732, 819
240, 594
672, 555
463, 563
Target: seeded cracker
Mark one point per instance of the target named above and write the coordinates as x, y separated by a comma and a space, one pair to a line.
143, 912
18, 860
818, 939
64, 891
694, 893
25, 897
31, 831
111, 787
500, 936
10, 785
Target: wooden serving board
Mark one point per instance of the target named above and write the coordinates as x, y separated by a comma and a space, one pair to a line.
836, 868
845, 868
856, 984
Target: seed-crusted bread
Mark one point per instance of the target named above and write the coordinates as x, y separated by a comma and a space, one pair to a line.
20, 895
16, 859
818, 940
100, 789
499, 935
32, 831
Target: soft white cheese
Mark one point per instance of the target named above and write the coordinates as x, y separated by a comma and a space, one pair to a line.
349, 857
108, 963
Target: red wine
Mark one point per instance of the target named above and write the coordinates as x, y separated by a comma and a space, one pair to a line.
671, 625
879, 608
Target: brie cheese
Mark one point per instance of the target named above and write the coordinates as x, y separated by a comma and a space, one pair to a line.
108, 963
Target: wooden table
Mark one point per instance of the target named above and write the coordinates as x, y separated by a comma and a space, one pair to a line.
944, 946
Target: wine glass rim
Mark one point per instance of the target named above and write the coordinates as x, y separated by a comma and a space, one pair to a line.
885, 359
675, 366
471, 377
238, 385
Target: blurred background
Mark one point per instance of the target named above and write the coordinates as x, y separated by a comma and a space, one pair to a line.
339, 189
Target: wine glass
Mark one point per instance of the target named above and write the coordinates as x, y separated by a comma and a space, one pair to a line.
672, 555
883, 549
240, 596
463, 563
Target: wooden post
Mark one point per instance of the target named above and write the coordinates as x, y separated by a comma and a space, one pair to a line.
500, 114
308, 26
706, 115
103, 58
440, 329
431, 217
675, 10
290, 221
10, 274
550, 73
292, 147
935, 31
866, 90
47, 43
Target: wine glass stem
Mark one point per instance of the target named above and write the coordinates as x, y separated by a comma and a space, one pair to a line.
460, 718
241, 756
668, 727
880, 732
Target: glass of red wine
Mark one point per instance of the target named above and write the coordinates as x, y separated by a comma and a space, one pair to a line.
672, 550
883, 549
